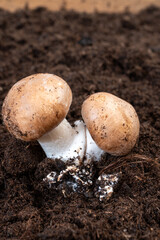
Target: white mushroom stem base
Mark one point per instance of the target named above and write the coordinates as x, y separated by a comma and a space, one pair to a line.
92, 150
70, 143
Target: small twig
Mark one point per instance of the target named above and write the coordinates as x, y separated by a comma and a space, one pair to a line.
28, 146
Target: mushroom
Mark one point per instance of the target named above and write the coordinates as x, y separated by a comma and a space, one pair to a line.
35, 109
112, 125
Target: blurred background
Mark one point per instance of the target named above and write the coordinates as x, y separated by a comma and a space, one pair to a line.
82, 5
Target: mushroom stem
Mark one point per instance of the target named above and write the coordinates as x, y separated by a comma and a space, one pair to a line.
70, 143
92, 149
65, 142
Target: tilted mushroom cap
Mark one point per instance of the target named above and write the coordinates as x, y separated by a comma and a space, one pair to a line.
112, 122
35, 105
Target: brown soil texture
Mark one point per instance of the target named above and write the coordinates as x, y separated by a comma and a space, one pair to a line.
116, 53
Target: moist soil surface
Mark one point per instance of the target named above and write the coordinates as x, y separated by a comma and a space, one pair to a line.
116, 53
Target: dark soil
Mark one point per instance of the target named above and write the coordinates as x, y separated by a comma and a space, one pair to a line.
117, 53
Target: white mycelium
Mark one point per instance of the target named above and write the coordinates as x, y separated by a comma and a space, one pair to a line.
105, 185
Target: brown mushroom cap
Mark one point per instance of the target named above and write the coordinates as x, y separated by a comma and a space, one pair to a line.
112, 122
35, 105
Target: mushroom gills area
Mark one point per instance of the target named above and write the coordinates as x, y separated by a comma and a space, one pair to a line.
70, 143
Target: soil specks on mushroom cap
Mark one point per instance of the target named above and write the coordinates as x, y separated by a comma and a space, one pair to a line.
49, 108
108, 119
